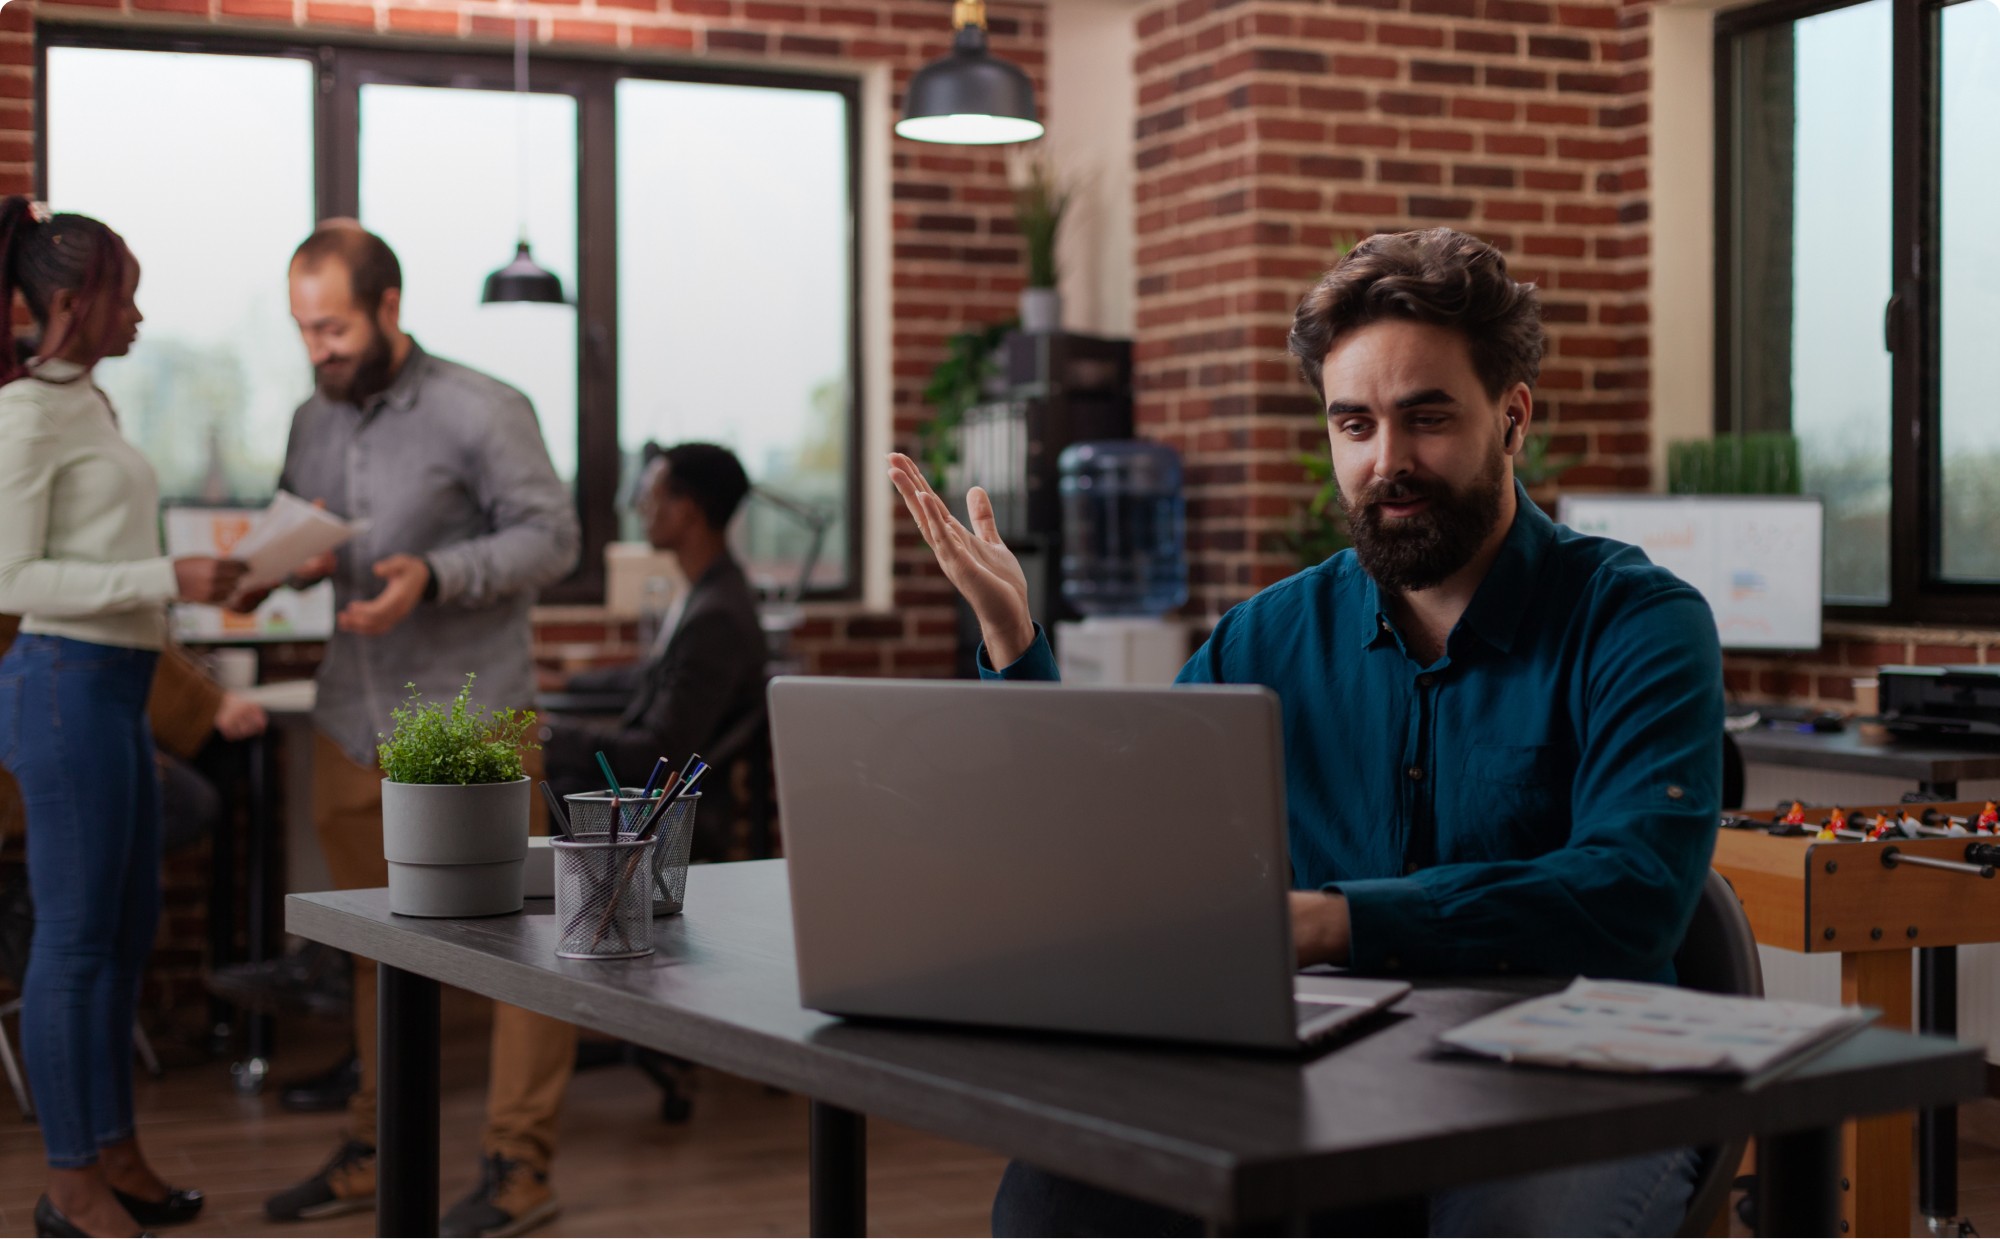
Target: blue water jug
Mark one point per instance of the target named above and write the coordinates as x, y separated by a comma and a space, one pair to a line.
1124, 527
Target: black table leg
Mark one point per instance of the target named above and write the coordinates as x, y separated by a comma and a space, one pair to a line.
222, 1015
406, 1165
1937, 1130
839, 1142
1798, 1182
270, 817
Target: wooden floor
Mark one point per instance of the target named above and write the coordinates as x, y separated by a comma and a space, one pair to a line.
738, 1167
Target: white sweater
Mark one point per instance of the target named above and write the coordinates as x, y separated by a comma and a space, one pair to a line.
79, 517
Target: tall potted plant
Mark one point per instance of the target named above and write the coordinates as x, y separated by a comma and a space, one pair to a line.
454, 807
1039, 206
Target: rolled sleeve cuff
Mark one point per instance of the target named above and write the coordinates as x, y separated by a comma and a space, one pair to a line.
447, 576
1037, 663
158, 580
1390, 924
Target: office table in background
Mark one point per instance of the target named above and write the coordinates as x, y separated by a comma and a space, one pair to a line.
1935, 766
1243, 1139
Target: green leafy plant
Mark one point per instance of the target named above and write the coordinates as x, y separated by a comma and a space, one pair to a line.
958, 383
1040, 203
1322, 531
1533, 465
1759, 464
436, 742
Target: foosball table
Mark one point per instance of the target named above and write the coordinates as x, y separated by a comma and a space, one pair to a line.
1882, 886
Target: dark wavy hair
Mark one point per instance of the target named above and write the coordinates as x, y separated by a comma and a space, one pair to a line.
38, 260
1438, 276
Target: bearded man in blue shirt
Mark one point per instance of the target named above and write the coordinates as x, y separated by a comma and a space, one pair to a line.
1502, 738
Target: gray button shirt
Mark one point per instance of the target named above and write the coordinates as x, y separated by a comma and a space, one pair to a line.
448, 464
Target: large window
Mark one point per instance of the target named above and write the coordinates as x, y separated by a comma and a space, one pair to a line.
1859, 283
702, 222
212, 194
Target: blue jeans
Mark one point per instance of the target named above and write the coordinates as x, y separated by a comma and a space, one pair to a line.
73, 733
1646, 1195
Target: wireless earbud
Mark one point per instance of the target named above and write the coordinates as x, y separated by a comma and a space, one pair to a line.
1513, 426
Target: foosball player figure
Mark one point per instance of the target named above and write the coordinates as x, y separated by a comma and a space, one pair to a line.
1989, 820
1836, 822
1796, 816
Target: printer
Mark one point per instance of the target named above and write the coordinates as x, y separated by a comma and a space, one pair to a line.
1942, 701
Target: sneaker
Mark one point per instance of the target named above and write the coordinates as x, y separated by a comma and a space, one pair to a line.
346, 1184
512, 1198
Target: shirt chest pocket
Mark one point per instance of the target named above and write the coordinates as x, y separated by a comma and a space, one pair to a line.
1513, 801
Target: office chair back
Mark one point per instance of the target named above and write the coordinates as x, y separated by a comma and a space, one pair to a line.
1717, 955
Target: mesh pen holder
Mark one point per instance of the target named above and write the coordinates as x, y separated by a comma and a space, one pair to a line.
602, 905
590, 813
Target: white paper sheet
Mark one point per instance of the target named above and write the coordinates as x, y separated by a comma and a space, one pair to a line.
1631, 1027
287, 534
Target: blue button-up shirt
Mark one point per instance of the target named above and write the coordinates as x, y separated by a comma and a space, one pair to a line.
1544, 797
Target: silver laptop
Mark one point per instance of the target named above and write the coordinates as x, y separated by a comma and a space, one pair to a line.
1090, 860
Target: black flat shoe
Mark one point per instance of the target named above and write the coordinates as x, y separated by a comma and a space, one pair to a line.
50, 1222
180, 1207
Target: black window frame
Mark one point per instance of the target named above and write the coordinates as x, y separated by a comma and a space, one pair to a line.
343, 64
1918, 592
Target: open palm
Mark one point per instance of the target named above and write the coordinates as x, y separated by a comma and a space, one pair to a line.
976, 561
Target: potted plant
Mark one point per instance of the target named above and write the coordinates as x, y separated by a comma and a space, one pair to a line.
1539, 472
454, 807
963, 379
1039, 206
1322, 531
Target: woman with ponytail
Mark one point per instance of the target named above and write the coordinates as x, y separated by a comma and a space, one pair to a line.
80, 561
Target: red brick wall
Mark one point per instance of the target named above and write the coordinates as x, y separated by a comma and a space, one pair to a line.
1268, 130
1826, 676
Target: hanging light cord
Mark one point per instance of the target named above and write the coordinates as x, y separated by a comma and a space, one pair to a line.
521, 119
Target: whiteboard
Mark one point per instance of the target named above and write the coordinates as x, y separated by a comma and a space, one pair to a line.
1757, 559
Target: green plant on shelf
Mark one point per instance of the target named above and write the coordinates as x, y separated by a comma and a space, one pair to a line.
958, 383
1322, 531
454, 742
1533, 466
1746, 464
1040, 203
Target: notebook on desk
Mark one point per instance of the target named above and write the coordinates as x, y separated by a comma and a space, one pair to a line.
1089, 860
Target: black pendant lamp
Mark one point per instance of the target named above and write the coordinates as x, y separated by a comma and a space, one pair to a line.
971, 97
523, 280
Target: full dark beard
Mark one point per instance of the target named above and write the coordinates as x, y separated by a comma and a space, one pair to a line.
1421, 551
371, 374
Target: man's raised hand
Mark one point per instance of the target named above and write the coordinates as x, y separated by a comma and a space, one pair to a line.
975, 561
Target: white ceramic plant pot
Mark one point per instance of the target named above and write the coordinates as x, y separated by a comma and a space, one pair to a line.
1041, 311
455, 850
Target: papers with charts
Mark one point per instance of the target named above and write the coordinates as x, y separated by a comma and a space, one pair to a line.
1630, 1027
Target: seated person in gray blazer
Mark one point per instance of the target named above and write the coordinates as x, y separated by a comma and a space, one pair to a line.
704, 675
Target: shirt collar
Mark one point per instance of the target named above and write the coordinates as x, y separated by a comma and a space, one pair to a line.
1494, 615
402, 393
55, 370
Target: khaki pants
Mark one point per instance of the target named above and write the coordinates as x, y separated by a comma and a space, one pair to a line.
533, 1055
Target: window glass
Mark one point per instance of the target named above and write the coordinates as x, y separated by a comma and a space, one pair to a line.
447, 176
1811, 269
1969, 290
735, 297
212, 194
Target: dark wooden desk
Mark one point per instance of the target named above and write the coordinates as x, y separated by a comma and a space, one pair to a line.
1246, 1140
1935, 768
